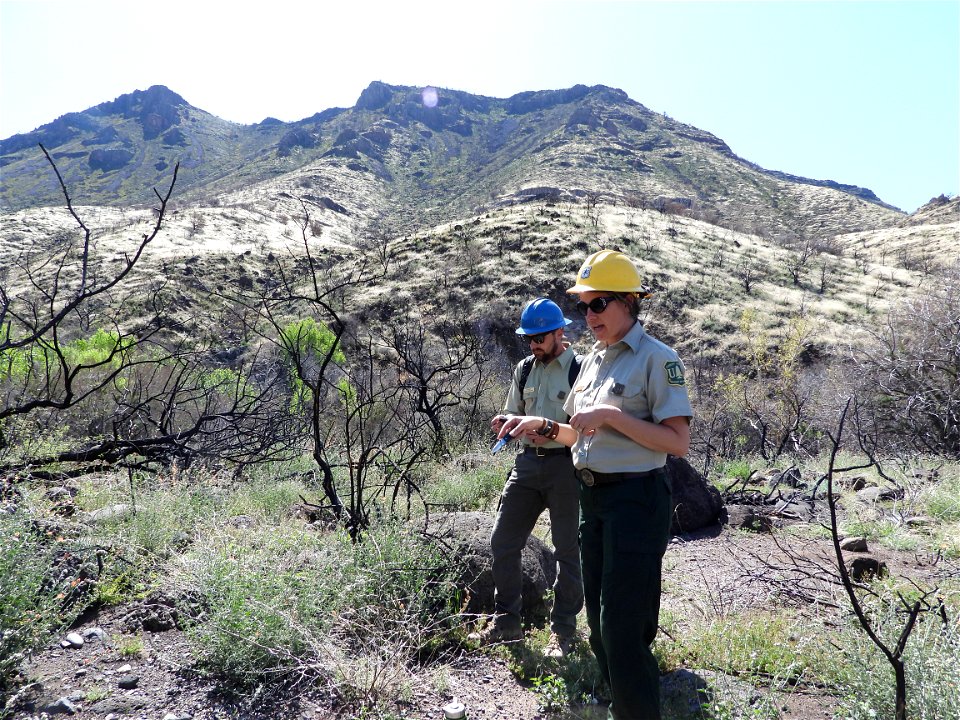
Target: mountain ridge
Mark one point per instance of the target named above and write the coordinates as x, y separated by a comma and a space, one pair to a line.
465, 153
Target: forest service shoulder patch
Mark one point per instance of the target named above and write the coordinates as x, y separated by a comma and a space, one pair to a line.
674, 372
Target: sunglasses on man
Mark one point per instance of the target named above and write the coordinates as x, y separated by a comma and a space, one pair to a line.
536, 339
598, 305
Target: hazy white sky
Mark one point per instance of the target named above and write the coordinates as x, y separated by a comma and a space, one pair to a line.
865, 93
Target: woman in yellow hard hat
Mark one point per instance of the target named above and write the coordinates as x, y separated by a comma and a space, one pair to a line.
628, 410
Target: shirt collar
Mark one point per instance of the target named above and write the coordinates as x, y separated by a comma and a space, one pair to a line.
632, 339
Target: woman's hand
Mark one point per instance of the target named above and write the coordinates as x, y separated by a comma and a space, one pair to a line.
587, 422
528, 425
672, 435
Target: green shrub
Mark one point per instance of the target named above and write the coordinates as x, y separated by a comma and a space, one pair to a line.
286, 601
471, 492
32, 596
942, 500
734, 469
931, 661
474, 489
774, 648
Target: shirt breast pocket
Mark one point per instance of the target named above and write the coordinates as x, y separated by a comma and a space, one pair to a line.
629, 397
529, 400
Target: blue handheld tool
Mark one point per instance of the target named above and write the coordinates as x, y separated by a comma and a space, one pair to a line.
501, 443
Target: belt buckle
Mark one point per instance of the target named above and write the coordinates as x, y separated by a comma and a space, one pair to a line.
587, 477
540, 451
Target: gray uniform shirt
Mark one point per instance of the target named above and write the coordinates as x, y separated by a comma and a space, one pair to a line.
644, 378
546, 389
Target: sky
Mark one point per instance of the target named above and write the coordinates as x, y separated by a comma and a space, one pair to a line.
860, 92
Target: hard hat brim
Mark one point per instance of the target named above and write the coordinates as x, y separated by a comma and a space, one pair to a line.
539, 330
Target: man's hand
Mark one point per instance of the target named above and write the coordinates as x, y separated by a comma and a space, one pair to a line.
518, 425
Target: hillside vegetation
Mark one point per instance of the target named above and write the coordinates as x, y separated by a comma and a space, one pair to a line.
235, 392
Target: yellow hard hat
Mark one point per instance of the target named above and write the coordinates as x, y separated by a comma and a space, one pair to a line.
611, 271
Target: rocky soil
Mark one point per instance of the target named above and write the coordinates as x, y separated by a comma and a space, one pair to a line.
91, 674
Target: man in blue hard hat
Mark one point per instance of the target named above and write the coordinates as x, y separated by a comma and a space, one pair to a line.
542, 478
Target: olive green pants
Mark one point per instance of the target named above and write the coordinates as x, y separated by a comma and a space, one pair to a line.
624, 530
537, 484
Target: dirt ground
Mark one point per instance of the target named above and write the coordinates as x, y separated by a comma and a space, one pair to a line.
714, 571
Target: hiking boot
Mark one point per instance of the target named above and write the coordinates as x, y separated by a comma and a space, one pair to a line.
496, 634
559, 646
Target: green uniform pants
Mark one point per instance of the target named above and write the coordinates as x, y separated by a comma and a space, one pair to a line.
624, 530
537, 484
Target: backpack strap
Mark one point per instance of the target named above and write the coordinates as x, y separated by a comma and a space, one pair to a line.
574, 370
528, 361
525, 372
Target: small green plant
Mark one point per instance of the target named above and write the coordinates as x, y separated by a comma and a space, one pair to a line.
551, 693
734, 469
577, 671
115, 589
719, 703
96, 694
130, 646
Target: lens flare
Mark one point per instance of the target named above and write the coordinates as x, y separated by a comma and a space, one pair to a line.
430, 97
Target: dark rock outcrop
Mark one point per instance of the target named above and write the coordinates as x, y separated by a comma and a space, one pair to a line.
109, 159
467, 537
105, 136
697, 504
298, 137
174, 137
376, 95
156, 109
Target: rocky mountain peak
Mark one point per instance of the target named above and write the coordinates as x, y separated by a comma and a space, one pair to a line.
375, 96
156, 109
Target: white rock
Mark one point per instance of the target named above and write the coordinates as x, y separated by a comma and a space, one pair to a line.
75, 640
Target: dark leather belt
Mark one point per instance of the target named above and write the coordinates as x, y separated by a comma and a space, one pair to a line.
592, 477
541, 451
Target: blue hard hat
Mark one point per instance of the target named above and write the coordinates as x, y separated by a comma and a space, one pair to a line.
540, 316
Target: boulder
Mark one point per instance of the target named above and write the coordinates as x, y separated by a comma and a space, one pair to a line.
747, 517
854, 544
466, 536
863, 569
697, 504
855, 482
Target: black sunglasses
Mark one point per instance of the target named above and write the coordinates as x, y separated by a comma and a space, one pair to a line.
538, 339
598, 305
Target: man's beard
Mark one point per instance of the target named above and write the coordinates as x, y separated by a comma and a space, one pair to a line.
544, 357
